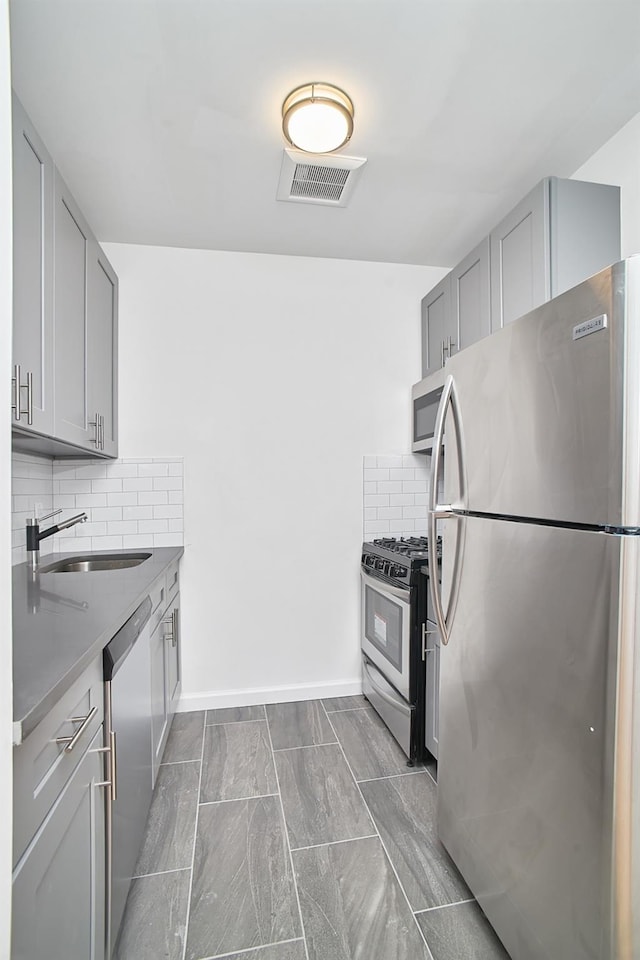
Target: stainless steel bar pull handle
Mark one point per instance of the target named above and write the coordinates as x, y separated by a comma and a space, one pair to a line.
442, 350
84, 723
96, 423
450, 344
174, 637
17, 386
101, 432
111, 782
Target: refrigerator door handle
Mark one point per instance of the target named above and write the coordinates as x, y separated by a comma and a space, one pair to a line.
441, 511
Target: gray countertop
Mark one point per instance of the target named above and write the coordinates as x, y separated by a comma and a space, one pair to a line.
61, 622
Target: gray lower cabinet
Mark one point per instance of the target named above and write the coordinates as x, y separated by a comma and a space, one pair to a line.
432, 690
33, 178
165, 678
59, 883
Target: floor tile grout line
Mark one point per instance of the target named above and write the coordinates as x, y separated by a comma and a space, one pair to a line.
286, 834
306, 746
382, 843
346, 709
331, 843
393, 776
195, 837
258, 796
172, 763
443, 906
228, 723
160, 873
247, 950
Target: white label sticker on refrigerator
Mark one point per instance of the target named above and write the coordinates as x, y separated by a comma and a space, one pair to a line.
589, 326
380, 628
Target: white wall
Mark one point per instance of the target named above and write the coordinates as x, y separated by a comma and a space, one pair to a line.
271, 376
6, 695
618, 162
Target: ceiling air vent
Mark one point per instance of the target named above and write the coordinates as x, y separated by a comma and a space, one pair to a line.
306, 178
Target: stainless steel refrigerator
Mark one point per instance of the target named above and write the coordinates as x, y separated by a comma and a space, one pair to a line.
537, 460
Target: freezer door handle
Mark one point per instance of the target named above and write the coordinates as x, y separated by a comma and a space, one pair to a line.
445, 511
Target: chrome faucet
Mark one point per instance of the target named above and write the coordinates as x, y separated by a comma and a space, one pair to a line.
34, 536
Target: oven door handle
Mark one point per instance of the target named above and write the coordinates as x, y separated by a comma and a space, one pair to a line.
397, 704
402, 593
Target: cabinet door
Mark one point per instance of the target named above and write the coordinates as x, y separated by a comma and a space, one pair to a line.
59, 884
470, 300
159, 707
102, 345
432, 692
436, 309
172, 647
33, 175
72, 238
520, 259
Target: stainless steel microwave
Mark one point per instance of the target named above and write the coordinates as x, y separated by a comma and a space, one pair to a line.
425, 397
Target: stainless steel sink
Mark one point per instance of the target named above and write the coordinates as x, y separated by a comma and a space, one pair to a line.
118, 561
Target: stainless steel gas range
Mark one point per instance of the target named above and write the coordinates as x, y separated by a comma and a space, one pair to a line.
398, 638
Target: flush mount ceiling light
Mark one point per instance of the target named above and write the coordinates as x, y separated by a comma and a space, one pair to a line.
317, 118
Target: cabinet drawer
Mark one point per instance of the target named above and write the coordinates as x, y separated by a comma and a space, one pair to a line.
172, 580
41, 767
159, 600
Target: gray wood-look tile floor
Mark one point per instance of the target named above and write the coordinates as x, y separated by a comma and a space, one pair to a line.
296, 832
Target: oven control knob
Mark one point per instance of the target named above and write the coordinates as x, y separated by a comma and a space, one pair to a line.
398, 571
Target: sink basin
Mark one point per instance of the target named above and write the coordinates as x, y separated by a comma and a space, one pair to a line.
118, 561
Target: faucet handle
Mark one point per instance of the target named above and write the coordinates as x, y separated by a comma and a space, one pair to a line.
46, 516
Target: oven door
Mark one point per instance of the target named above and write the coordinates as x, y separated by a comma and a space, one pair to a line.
386, 629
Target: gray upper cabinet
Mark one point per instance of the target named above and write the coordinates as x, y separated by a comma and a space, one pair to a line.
65, 312
436, 313
561, 233
33, 178
59, 884
470, 302
72, 240
102, 347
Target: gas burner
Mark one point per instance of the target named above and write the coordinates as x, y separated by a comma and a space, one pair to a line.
411, 547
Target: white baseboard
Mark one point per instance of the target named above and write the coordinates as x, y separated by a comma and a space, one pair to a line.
286, 694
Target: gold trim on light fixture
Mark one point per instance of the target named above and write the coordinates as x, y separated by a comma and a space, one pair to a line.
317, 118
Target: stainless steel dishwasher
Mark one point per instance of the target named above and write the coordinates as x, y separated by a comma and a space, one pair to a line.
127, 677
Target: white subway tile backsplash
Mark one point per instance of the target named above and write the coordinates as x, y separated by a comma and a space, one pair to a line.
376, 500
402, 474
153, 526
137, 513
414, 486
395, 495
389, 486
107, 486
151, 497
167, 483
136, 540
376, 474
137, 483
84, 501
167, 512
154, 469
168, 539
119, 498
391, 513
106, 543
122, 499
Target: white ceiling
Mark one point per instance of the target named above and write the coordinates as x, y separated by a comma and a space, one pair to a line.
164, 115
